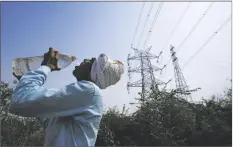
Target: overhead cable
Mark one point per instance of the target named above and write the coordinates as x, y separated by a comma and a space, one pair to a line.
176, 26
139, 18
206, 42
153, 23
145, 24
195, 26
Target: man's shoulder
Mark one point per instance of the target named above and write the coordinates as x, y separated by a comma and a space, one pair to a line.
86, 86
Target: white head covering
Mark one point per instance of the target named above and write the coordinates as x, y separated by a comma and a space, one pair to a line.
106, 72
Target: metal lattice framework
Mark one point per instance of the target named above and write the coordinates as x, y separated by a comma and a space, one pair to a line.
182, 88
148, 82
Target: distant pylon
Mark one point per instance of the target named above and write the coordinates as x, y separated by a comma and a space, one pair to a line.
148, 82
182, 88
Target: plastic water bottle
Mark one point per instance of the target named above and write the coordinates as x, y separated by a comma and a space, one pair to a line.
23, 65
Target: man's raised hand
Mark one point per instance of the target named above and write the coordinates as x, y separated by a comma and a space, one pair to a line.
51, 59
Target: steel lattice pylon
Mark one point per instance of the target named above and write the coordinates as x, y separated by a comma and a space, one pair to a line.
148, 82
182, 88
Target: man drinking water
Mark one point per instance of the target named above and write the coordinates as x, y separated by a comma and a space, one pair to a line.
74, 111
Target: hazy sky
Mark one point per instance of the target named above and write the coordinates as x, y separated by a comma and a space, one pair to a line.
86, 29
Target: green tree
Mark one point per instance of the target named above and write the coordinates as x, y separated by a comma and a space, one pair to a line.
15, 130
164, 119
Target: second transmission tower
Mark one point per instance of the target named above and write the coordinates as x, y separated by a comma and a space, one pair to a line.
182, 88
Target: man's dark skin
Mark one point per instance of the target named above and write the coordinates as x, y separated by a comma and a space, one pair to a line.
81, 72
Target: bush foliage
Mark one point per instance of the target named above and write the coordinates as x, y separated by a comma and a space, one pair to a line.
164, 119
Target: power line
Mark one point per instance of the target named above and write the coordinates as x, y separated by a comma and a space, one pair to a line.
193, 28
153, 23
139, 18
170, 36
151, 7
208, 40
146, 21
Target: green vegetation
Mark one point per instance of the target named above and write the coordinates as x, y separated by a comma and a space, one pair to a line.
163, 120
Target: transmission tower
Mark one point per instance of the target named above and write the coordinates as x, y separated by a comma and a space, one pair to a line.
148, 82
182, 88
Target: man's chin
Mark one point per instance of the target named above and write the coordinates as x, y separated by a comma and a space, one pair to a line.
74, 73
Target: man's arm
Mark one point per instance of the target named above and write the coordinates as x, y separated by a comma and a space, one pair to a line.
43, 121
31, 99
